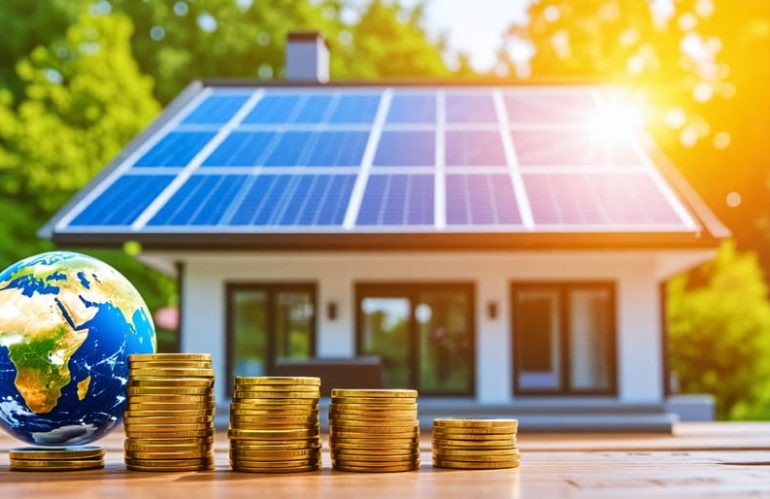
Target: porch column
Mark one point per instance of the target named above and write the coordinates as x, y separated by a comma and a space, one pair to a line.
493, 341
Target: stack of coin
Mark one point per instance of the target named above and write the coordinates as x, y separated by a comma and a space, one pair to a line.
475, 443
274, 425
374, 431
56, 459
169, 419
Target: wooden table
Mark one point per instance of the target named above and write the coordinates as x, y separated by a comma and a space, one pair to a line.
728, 459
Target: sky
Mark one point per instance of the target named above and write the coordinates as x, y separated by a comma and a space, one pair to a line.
473, 26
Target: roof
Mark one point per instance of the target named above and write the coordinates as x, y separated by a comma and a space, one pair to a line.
385, 165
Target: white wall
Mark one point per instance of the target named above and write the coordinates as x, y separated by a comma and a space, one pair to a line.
636, 274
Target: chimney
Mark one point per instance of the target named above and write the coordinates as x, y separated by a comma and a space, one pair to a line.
307, 57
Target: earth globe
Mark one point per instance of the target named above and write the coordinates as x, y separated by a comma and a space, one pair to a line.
68, 323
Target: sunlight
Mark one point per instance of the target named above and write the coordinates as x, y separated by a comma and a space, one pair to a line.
616, 119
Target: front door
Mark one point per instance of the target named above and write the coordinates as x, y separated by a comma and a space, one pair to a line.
563, 338
422, 332
267, 323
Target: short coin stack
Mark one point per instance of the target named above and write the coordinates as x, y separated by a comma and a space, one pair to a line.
169, 419
475, 443
274, 425
374, 431
56, 459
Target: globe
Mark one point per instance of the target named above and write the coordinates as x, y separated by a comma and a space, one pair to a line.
68, 323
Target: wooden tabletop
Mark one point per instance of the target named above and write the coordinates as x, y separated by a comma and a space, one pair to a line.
722, 459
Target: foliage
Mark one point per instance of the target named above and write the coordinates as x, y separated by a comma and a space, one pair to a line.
719, 327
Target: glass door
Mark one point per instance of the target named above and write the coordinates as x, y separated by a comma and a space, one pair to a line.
422, 332
267, 323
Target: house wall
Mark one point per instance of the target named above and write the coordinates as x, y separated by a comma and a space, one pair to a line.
635, 273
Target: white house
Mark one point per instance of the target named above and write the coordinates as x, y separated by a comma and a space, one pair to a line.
500, 247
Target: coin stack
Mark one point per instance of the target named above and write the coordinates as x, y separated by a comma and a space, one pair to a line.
374, 431
169, 419
274, 425
475, 443
56, 459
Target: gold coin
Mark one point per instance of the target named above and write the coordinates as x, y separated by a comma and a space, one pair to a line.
478, 444
170, 356
358, 413
59, 463
167, 445
268, 445
178, 469
476, 423
168, 392
135, 420
169, 425
444, 463
294, 404
168, 462
237, 434
482, 437
277, 380
237, 395
171, 398
172, 406
376, 447
152, 455
476, 456
160, 382
342, 420
57, 453
245, 468
473, 431
374, 404
277, 388
372, 429
269, 419
378, 440
378, 469
341, 455
274, 463
372, 393
151, 373
170, 364
278, 454
342, 434
375, 463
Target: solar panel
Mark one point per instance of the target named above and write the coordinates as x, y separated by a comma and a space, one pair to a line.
175, 149
481, 200
468, 148
369, 159
397, 200
597, 199
123, 201
406, 149
216, 110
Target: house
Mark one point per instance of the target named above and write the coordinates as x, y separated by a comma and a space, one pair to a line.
501, 248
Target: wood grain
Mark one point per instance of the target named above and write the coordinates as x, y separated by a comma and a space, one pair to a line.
731, 460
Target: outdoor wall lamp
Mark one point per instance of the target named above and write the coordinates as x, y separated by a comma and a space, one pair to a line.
331, 311
492, 309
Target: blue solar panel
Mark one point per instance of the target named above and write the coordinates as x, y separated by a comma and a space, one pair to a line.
216, 110
202, 200
466, 148
397, 200
315, 109
406, 149
123, 201
240, 149
175, 149
318, 149
272, 109
470, 109
480, 200
406, 108
291, 200
355, 109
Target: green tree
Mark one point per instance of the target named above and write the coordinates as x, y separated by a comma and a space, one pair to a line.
719, 331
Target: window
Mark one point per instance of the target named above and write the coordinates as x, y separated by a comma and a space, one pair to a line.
422, 332
564, 338
267, 323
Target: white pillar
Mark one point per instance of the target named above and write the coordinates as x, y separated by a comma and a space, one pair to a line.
493, 341
336, 338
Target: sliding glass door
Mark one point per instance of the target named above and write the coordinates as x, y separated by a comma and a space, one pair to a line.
267, 323
564, 338
422, 332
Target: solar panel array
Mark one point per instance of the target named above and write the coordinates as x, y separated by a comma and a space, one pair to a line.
383, 159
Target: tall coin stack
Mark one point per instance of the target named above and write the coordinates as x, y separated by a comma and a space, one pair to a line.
274, 425
169, 418
56, 459
374, 431
475, 443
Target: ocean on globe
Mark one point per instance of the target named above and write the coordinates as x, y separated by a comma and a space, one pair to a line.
67, 325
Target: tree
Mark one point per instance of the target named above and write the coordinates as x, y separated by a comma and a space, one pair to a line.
719, 332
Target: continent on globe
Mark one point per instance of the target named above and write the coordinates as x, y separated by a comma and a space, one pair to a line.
67, 325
